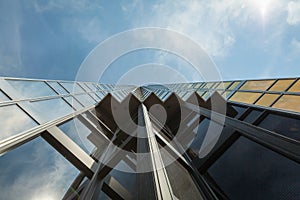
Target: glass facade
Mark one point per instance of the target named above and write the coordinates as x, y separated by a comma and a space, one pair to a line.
71, 140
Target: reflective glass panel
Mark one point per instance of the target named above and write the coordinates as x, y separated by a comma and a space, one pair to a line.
288, 102
257, 85
50, 109
31, 89
79, 133
85, 87
233, 86
13, 121
35, 170
72, 101
72, 87
283, 125
85, 99
245, 97
281, 85
295, 87
267, 99
181, 182
223, 85
57, 87
3, 97
250, 171
123, 182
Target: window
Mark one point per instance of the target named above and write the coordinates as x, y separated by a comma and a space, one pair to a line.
13, 121
257, 85
288, 102
245, 97
250, 171
79, 133
57, 87
31, 89
50, 109
267, 99
35, 170
295, 87
283, 125
281, 85
3, 97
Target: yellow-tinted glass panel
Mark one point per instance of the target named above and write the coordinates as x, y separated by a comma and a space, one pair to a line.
257, 85
225, 94
223, 85
234, 85
281, 85
267, 99
295, 87
288, 102
245, 97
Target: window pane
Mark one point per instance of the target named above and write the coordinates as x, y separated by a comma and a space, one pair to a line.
79, 133
35, 171
267, 99
245, 97
57, 87
295, 87
3, 97
72, 87
288, 102
257, 85
50, 109
233, 86
223, 85
85, 87
73, 102
31, 89
13, 121
283, 125
181, 182
250, 171
281, 85
85, 99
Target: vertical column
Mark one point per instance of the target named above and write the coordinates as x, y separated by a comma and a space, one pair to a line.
161, 184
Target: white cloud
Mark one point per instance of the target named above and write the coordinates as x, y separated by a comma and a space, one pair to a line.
211, 24
293, 13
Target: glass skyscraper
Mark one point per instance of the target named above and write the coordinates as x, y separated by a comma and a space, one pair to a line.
206, 140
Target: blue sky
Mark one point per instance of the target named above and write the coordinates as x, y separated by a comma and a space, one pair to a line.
245, 39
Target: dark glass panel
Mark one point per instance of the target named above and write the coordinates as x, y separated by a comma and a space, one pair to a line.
283, 125
252, 116
250, 171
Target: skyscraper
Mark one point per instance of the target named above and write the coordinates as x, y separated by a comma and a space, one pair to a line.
205, 140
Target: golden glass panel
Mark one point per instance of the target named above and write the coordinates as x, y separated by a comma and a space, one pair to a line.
295, 87
288, 102
281, 85
223, 85
234, 85
257, 85
267, 99
245, 97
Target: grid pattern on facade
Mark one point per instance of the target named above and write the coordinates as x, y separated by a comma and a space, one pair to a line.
55, 135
